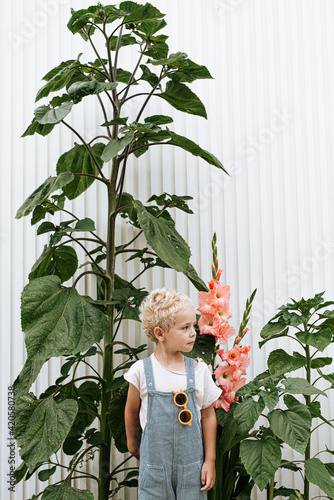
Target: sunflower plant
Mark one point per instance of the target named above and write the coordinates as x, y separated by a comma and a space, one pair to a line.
83, 415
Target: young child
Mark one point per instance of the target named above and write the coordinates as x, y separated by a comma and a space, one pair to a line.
172, 397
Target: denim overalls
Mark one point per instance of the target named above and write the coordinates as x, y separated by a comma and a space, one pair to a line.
171, 454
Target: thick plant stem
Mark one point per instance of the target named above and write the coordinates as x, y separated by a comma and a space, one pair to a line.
307, 402
104, 461
271, 488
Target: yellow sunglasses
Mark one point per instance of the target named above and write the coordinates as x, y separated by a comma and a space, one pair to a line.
181, 400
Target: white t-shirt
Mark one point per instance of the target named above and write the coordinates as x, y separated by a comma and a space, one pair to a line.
207, 392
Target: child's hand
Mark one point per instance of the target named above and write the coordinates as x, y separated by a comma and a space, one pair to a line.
208, 475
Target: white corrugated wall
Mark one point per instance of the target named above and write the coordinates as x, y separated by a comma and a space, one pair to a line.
270, 120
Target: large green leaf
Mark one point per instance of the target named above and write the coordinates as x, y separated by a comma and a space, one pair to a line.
176, 60
65, 491
158, 119
270, 399
162, 236
247, 413
57, 321
60, 261
182, 98
78, 90
37, 128
43, 192
272, 335
124, 41
193, 148
319, 339
116, 145
80, 18
149, 76
58, 77
280, 362
193, 277
293, 426
182, 69
41, 434
137, 13
28, 374
299, 385
316, 473
46, 115
321, 362
79, 161
271, 329
261, 459
190, 72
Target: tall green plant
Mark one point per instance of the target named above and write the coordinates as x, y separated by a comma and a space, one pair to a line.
56, 319
309, 323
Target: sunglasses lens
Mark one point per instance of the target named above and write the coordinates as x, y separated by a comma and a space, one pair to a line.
181, 399
185, 416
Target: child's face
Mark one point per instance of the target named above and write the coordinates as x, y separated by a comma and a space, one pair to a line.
181, 336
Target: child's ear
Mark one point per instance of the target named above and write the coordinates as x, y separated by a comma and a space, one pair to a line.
159, 334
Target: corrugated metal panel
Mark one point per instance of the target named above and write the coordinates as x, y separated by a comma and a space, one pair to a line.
270, 118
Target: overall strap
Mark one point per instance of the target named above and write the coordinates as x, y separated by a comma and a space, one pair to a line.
190, 367
149, 374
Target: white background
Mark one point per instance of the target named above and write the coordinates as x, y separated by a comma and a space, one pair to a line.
270, 121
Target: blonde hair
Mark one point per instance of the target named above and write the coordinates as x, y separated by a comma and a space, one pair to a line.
160, 307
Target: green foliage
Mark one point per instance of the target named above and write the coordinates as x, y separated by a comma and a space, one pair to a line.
84, 163
57, 321
84, 415
261, 459
317, 473
60, 261
43, 192
66, 492
291, 424
162, 236
41, 427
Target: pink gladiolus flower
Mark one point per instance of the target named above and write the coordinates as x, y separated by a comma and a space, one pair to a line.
226, 376
228, 396
205, 303
221, 294
237, 357
215, 313
220, 353
222, 310
226, 331
209, 324
233, 356
222, 403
